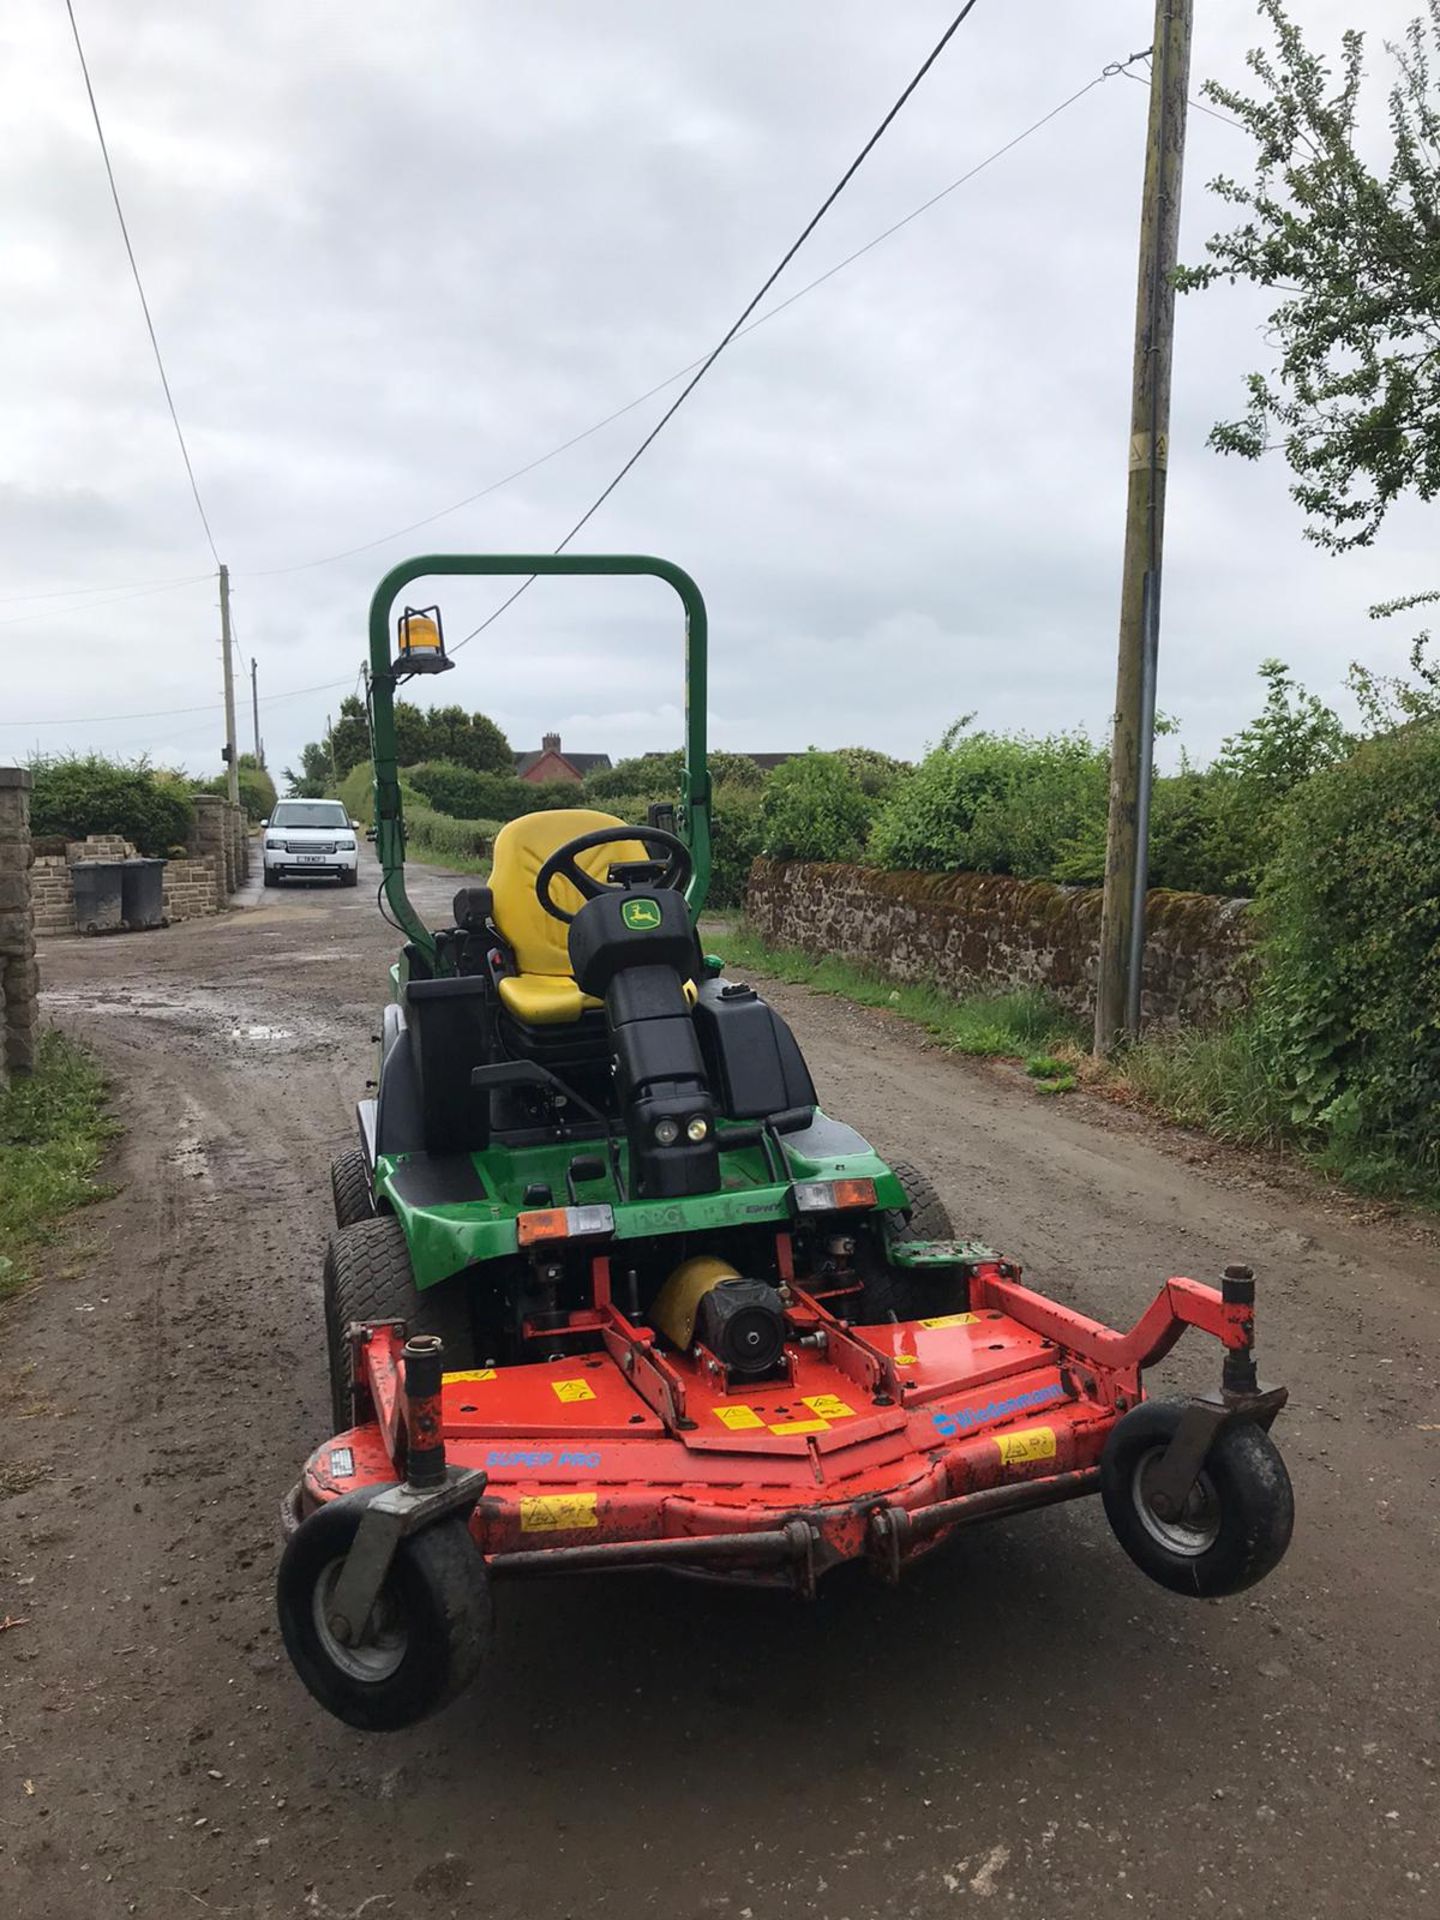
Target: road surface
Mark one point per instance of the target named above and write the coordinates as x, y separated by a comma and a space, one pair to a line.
1026, 1727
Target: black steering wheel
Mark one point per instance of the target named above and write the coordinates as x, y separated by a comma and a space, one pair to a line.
677, 865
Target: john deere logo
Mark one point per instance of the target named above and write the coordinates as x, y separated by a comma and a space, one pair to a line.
640, 915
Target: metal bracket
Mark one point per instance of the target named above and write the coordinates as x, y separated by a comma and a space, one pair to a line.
1203, 1418
391, 1517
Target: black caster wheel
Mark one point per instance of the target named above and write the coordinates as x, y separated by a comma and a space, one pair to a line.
1235, 1524
426, 1636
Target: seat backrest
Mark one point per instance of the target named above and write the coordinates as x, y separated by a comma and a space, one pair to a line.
522, 847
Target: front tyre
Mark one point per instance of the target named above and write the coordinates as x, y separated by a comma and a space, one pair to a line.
368, 1276
350, 1188
1237, 1520
906, 1293
426, 1636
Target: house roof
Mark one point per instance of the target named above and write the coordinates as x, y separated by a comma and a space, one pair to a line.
583, 763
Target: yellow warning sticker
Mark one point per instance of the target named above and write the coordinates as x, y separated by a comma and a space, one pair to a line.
738, 1419
471, 1373
828, 1407
952, 1320
557, 1512
573, 1389
802, 1426
1034, 1443
904, 1359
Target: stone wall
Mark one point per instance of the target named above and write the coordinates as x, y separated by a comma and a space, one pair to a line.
193, 887
969, 932
19, 977
189, 889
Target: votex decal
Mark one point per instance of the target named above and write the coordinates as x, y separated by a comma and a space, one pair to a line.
968, 1418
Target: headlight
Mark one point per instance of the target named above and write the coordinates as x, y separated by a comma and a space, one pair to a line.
274, 846
667, 1132
698, 1129
345, 846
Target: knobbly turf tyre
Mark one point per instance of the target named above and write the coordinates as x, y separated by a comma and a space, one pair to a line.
429, 1632
929, 1218
350, 1188
897, 1293
368, 1276
1236, 1524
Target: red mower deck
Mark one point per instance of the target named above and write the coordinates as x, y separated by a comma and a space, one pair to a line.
876, 1441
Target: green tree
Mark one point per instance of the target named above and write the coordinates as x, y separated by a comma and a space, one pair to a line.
468, 740
1352, 987
76, 794
350, 736
814, 810
1256, 770
313, 781
995, 803
1354, 399
257, 789
875, 773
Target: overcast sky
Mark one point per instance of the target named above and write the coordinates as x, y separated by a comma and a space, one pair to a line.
395, 251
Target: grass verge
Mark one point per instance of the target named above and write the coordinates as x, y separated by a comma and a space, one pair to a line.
1024, 1025
462, 845
53, 1130
1219, 1079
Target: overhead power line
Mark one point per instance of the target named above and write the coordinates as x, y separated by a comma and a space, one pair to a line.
93, 606
751, 326
790, 252
140, 285
167, 713
126, 588
137, 588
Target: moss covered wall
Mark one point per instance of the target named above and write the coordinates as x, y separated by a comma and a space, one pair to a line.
978, 931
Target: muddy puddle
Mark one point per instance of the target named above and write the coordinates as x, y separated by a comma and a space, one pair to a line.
196, 1019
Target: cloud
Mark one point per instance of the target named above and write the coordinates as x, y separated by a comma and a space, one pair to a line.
396, 252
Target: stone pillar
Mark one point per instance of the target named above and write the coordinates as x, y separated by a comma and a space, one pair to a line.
210, 839
239, 845
19, 976
242, 846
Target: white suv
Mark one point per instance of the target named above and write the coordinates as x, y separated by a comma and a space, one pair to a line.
310, 837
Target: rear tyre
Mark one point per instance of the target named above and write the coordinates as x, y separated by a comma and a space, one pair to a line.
368, 1276
350, 1188
1236, 1523
426, 1636
905, 1293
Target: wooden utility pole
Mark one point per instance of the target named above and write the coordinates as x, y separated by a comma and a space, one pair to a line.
1122, 925
255, 713
232, 764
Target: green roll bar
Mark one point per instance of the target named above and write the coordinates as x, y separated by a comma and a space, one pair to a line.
693, 818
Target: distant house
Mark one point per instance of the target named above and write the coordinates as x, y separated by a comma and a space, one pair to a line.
550, 763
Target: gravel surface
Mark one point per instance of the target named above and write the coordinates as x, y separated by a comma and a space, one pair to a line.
1026, 1726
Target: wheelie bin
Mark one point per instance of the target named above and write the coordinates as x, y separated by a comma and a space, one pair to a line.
142, 894
99, 890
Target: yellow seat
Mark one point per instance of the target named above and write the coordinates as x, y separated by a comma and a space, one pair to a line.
543, 993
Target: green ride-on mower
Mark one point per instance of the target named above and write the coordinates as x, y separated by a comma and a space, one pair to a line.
610, 1291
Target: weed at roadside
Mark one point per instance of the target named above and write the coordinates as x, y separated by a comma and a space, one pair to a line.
53, 1131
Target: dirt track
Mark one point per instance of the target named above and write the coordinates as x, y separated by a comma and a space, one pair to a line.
1027, 1726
